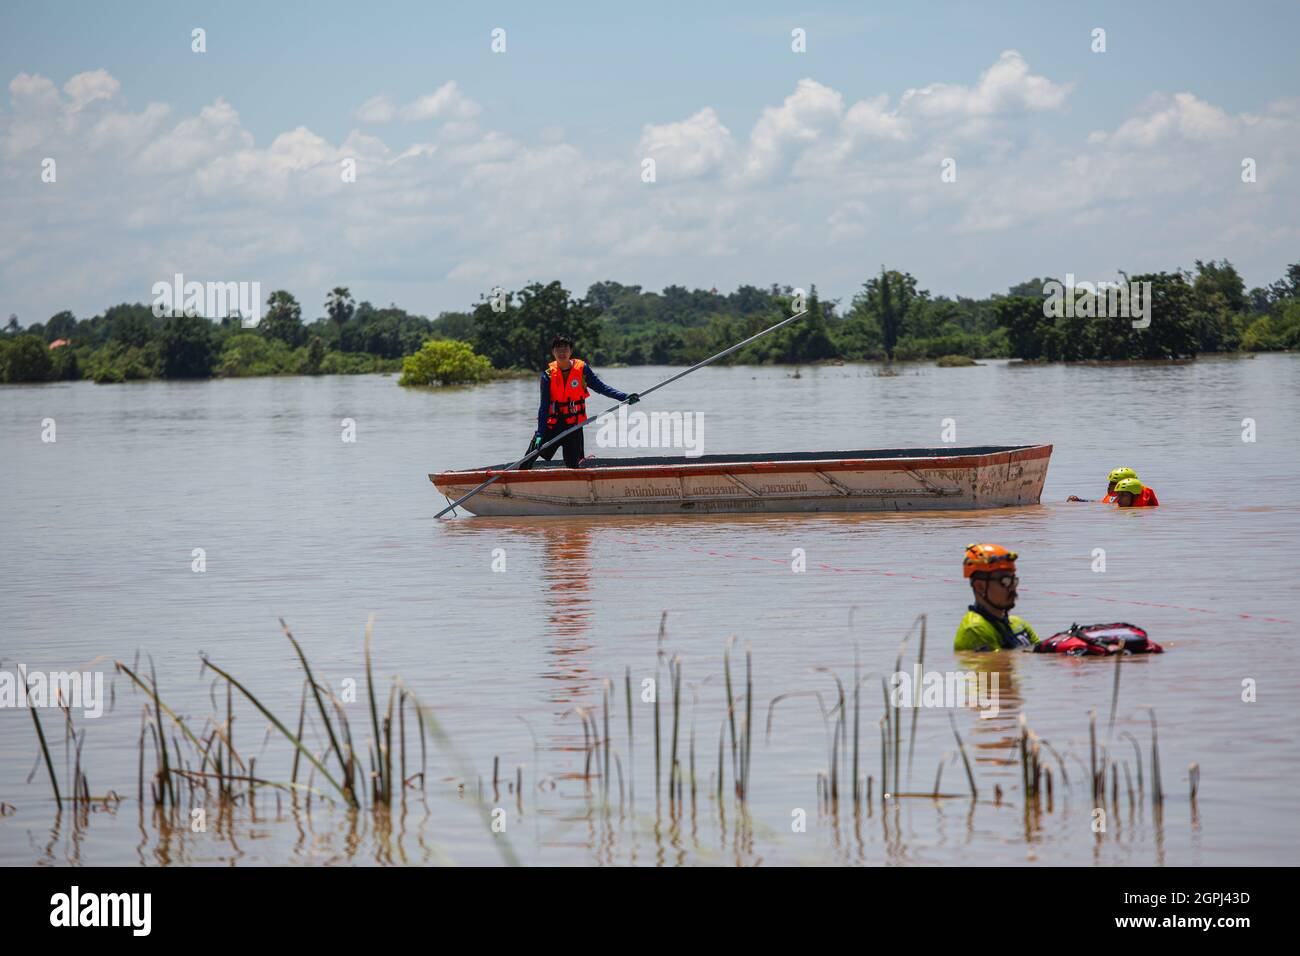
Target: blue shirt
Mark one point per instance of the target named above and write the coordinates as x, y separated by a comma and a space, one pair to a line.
590, 379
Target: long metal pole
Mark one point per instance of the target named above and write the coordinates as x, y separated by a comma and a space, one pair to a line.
653, 388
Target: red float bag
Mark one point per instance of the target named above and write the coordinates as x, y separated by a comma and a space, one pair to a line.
1089, 639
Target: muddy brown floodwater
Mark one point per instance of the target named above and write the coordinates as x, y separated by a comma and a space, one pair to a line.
509, 628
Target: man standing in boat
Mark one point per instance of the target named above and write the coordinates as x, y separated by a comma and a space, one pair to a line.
565, 385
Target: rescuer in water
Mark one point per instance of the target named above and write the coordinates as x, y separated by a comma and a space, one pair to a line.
1131, 493
1115, 477
988, 624
565, 385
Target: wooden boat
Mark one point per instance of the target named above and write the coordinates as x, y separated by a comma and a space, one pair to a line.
890, 479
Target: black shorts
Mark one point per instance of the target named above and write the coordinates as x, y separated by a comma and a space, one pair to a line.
573, 446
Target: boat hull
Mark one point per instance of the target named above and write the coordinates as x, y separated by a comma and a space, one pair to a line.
956, 479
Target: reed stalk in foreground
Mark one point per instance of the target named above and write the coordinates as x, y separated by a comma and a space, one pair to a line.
1137, 755
374, 715
45, 750
731, 714
675, 674
1114, 695
970, 774
658, 784
631, 752
938, 773
346, 766
749, 715
1157, 790
166, 786
605, 696
884, 759
346, 793
916, 708
1092, 750
857, 713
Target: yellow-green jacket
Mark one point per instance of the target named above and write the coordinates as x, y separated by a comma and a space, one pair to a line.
979, 633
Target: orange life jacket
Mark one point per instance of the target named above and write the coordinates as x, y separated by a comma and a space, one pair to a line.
568, 394
1109, 498
1147, 499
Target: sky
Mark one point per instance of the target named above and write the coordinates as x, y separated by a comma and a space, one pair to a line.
973, 145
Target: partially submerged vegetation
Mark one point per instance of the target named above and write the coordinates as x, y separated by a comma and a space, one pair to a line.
183, 765
444, 362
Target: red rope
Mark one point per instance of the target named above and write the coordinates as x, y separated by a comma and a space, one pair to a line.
921, 577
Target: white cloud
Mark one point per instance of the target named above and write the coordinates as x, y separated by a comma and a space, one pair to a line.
1182, 116
806, 115
693, 147
128, 130
85, 88
377, 109
447, 103
1005, 87
870, 119
197, 141
31, 92
807, 190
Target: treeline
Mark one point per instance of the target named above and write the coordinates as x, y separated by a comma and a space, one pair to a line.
1185, 314
1191, 312
1208, 310
129, 342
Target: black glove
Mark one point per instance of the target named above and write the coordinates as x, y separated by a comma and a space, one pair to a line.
633, 398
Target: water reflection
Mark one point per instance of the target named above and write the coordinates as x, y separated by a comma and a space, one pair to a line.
995, 738
567, 574
908, 831
560, 552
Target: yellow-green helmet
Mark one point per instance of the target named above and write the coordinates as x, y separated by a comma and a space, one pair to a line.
1119, 474
1131, 485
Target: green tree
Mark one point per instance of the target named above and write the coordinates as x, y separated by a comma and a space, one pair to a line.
390, 332
1219, 305
65, 366
1173, 330
606, 296
889, 314
519, 336
454, 325
887, 299
339, 306
60, 326
1288, 287
249, 354
25, 358
128, 326
1022, 317
444, 362
1275, 332
186, 347
805, 340
315, 356
283, 319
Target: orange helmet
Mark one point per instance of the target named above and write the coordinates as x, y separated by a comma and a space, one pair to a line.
987, 557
